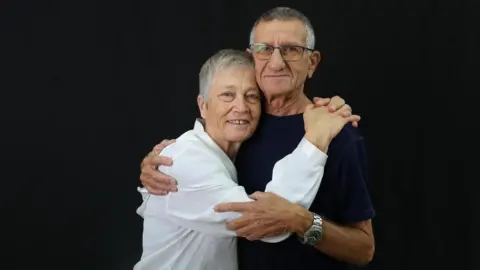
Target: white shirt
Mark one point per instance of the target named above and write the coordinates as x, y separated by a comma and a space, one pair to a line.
183, 232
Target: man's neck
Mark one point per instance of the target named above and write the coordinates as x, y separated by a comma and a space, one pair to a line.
289, 104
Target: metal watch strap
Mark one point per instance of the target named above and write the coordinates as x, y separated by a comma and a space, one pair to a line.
314, 233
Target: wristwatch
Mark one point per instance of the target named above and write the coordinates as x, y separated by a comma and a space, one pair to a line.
315, 232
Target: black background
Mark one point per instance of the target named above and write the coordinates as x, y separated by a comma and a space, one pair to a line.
88, 87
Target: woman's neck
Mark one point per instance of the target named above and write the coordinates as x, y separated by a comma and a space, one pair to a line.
286, 104
230, 148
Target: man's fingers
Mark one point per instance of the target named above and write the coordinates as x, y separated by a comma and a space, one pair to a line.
154, 191
164, 187
268, 230
233, 207
153, 180
154, 160
256, 235
161, 189
159, 147
156, 182
274, 231
161, 161
248, 230
156, 188
166, 143
162, 180
264, 231
257, 195
355, 124
238, 223
157, 179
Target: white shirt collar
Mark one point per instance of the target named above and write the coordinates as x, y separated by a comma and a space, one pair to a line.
199, 125
199, 128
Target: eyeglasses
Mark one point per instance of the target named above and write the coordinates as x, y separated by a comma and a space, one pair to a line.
289, 52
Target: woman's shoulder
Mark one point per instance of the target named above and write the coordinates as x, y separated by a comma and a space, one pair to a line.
193, 158
194, 145
188, 143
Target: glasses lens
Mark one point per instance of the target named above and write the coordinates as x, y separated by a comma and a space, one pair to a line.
262, 51
292, 53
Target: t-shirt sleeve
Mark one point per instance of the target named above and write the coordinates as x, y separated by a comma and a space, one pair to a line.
356, 204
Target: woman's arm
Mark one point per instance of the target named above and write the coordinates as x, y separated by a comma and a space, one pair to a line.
203, 182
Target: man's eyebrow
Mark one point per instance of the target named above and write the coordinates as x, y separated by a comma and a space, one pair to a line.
230, 87
291, 44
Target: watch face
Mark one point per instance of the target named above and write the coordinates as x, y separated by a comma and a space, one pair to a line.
314, 236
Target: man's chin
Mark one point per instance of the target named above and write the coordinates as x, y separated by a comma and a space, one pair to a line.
272, 90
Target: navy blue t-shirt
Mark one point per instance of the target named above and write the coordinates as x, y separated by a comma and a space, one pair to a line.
343, 196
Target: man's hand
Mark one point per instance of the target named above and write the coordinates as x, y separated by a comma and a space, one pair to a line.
269, 215
334, 104
154, 181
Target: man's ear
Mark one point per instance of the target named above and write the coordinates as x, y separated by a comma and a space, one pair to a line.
202, 106
314, 60
249, 51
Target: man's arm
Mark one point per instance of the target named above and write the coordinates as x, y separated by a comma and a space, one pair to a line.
159, 183
203, 183
153, 180
354, 242
359, 245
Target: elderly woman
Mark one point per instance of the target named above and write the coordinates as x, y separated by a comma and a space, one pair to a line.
181, 230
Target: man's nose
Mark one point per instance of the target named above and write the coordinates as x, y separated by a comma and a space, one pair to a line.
276, 61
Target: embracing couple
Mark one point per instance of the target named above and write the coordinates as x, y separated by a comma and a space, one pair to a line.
285, 175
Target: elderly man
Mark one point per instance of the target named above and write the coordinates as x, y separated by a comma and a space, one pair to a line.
336, 230
181, 230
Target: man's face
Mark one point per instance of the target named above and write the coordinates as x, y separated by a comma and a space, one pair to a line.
276, 76
232, 109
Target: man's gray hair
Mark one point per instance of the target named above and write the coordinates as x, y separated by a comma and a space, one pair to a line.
286, 14
219, 61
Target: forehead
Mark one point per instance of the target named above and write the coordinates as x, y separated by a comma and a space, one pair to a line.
235, 76
278, 32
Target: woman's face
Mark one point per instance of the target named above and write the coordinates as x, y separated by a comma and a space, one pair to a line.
232, 109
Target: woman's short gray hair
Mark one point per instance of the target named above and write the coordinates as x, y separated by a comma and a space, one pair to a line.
219, 61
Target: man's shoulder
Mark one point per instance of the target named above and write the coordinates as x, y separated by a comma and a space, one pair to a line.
347, 137
349, 134
344, 195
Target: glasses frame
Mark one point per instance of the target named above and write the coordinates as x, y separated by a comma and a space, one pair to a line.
280, 50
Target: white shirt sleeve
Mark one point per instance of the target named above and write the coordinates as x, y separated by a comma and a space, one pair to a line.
204, 182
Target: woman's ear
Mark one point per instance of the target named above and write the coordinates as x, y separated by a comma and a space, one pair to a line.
202, 106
